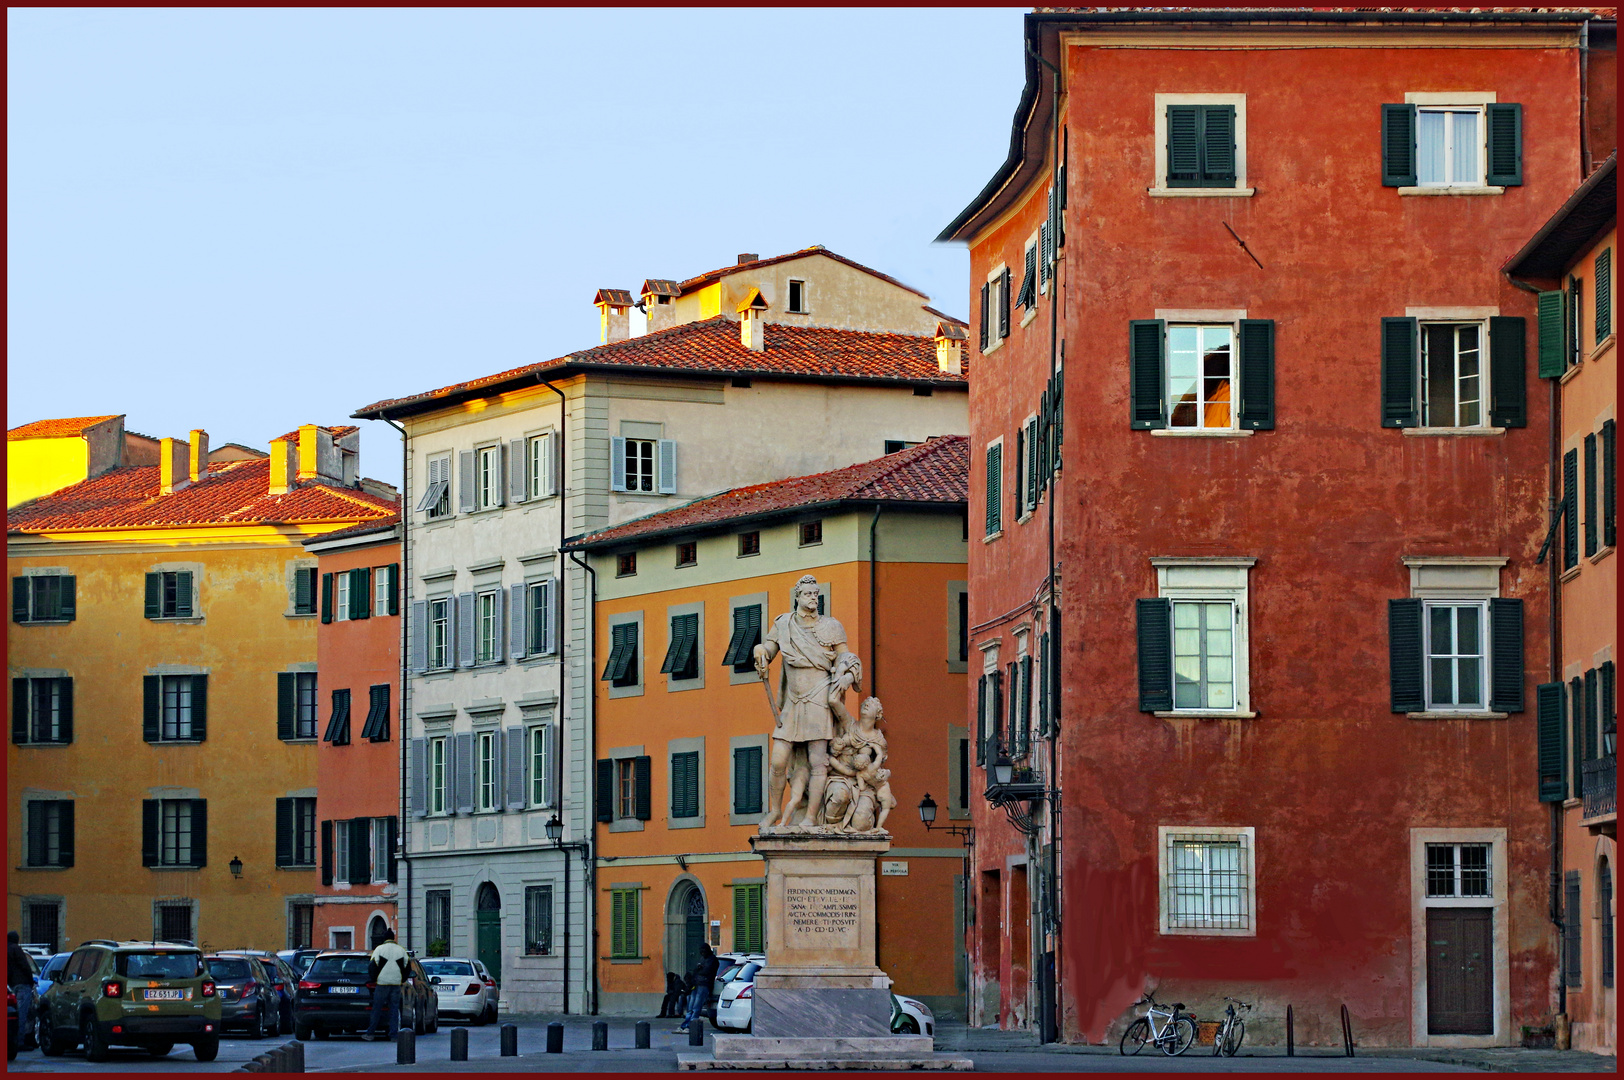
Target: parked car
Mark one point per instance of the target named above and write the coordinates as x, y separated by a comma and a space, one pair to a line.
461, 988
247, 1001
284, 984
39, 952
48, 971
490, 982
910, 1016
13, 1038
298, 959
734, 1005
729, 967
335, 994
150, 994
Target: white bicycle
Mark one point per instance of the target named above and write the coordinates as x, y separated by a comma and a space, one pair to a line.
1165, 1026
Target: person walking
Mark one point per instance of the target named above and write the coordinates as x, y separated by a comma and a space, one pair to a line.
388, 975
20, 977
704, 977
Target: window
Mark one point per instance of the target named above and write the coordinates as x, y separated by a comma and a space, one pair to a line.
1452, 390
538, 920
1575, 329
995, 487
1201, 146
50, 832
643, 465
626, 564
541, 628
488, 770
488, 477
385, 581
295, 832
1437, 141
688, 554
1193, 638
749, 544
749, 926
170, 595
175, 707
541, 765
811, 533
1458, 870
437, 775
961, 800
296, 707
746, 636
301, 925
622, 668
1449, 147
341, 599
437, 920
173, 920
1604, 901
304, 590
1457, 656
43, 598
341, 869
685, 784
639, 474
1028, 296
625, 788
436, 500
383, 849
42, 710
682, 656
539, 478
1207, 882
376, 728
747, 780
995, 309
174, 832
439, 638
488, 612
1190, 377
797, 297
1201, 376
893, 445
1604, 298
625, 923
1203, 655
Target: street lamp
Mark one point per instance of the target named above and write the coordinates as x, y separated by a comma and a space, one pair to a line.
1609, 738
1003, 770
927, 814
236, 867
555, 829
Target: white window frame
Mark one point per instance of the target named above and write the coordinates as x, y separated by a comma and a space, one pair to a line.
1427, 420
635, 477
1158, 182
1214, 578
1457, 874
382, 855
182, 717
488, 478
487, 772
306, 721
341, 853
439, 635
789, 298
995, 284
169, 832
1450, 181
438, 780
1483, 653
538, 452
438, 464
1171, 924
488, 647
380, 590
341, 596
1201, 327
541, 765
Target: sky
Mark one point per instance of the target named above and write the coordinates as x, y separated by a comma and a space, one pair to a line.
247, 220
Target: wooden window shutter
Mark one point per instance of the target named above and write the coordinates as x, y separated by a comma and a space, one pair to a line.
1155, 623
1218, 146
462, 746
1003, 303
149, 832
19, 598
1184, 146
420, 636
360, 850
465, 630
151, 707
200, 707
995, 714
1405, 655
1609, 483
518, 621
517, 749
466, 496
1591, 488
185, 597
65, 833
420, 776
1552, 335
1506, 674
155, 586
65, 686
327, 853
1604, 294
1028, 296
666, 482
1044, 660
1570, 507
995, 486
1257, 374
604, 793
67, 602
1508, 371
37, 811
981, 721
1505, 158
286, 704
1398, 145
393, 588
1023, 728
303, 591
518, 471
1148, 401
200, 832
1033, 476
986, 312
643, 787
19, 709
1046, 247
617, 463
327, 598
361, 592
284, 832
1400, 363
1592, 708
1608, 674
394, 844
1021, 472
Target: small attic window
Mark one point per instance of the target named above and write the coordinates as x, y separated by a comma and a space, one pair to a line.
662, 299
797, 297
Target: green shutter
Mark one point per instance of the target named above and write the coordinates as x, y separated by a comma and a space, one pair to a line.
1400, 362
1553, 781
360, 849
1552, 335
1398, 145
1576, 699
1155, 623
184, 608
1592, 707
284, 832
394, 843
995, 488
327, 598
1183, 146
151, 707
287, 694
19, 710
1591, 487
605, 793
643, 787
149, 832
1508, 371
200, 707
1257, 374
1570, 503
1218, 146
981, 721
67, 600
1609, 483
302, 591
1504, 122
1148, 401
155, 589
1604, 294
1405, 656
986, 313
1506, 659
394, 588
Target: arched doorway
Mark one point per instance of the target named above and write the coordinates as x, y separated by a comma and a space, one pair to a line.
488, 929
685, 925
693, 929
376, 929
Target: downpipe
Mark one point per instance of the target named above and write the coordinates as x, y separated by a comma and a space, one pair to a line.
405, 830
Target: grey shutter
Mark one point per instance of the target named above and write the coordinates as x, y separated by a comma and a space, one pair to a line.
1218, 146
420, 776
1155, 622
1553, 361
1570, 509
327, 853
1400, 358
1148, 401
1183, 146
1257, 374
1506, 670
1405, 655
200, 832
995, 488
518, 471
502, 616
67, 603
1398, 145
185, 598
617, 463
553, 615
464, 771
420, 636
643, 787
66, 705
497, 487
518, 749
518, 618
149, 832
1604, 294
284, 832
200, 707
986, 313
155, 586
1508, 371
286, 705
1003, 304
1504, 124
465, 629
465, 482
604, 795
555, 463
667, 480
1591, 486
19, 709
151, 707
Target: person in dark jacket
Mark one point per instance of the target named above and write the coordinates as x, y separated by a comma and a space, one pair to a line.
20, 977
675, 997
704, 975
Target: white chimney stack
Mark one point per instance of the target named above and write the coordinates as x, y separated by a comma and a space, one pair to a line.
753, 321
614, 315
660, 303
950, 338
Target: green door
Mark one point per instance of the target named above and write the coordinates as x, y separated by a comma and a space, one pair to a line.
488, 927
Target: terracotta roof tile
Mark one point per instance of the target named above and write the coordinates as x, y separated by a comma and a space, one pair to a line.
336, 431
377, 525
58, 429
230, 493
937, 471
713, 347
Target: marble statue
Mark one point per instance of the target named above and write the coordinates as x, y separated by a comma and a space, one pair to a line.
859, 794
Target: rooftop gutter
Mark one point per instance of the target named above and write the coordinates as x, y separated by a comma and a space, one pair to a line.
584, 542
1606, 173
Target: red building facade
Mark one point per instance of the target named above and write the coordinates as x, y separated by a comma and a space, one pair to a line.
1293, 503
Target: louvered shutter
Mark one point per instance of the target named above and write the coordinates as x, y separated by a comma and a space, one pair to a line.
1032, 475
1609, 694
518, 472
617, 463
465, 630
466, 500
1508, 371
1023, 727
1405, 655
643, 787
360, 850
361, 592
1257, 375
604, 793
151, 707
36, 824
518, 618
200, 832
1591, 486
518, 748
995, 714
1183, 146
1570, 508
66, 707
19, 599
286, 705
1400, 356
327, 598
64, 845
1218, 146
149, 832
1044, 660
420, 636
1592, 707
185, 597
393, 588
1029, 279
67, 602
284, 832
1398, 145
1609, 483
1505, 164
1149, 403
668, 467
303, 598
464, 770
1020, 472
154, 604
19, 710
1576, 699
1506, 671
1045, 251
420, 776
986, 313
1155, 627
981, 721
995, 492
1552, 335
552, 613
200, 707
1604, 294
1003, 303
394, 845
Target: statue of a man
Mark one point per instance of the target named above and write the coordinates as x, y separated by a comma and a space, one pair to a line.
817, 671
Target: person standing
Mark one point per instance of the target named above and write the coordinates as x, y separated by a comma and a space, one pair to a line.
20, 977
388, 975
704, 978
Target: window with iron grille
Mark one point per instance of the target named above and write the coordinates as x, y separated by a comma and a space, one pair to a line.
1207, 881
538, 920
1458, 870
437, 919
172, 920
301, 925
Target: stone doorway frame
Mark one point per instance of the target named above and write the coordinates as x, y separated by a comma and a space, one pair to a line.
673, 942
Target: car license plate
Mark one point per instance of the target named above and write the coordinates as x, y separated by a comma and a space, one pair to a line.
343, 989
164, 995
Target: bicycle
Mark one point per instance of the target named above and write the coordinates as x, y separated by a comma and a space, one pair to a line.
1233, 1029
1174, 1037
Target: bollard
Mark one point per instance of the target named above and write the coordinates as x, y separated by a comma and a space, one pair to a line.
279, 1059
1291, 1040
696, 1033
252, 1066
510, 1040
406, 1047
1347, 1032
555, 1038
600, 1035
459, 1044
641, 1042
298, 1062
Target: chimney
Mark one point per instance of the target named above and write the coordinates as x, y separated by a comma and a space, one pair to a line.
950, 338
171, 466
753, 321
660, 303
746, 260
200, 454
614, 315
284, 465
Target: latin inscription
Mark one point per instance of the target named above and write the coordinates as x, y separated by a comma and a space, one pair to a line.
821, 913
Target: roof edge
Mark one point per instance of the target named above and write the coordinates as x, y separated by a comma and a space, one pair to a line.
584, 541
1606, 171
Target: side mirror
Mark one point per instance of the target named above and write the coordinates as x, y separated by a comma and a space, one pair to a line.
435, 980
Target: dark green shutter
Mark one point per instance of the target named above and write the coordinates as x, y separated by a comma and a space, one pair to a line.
151, 707
1025, 727
1398, 145
1553, 780
303, 598
1149, 403
66, 706
19, 710
1576, 699
200, 707
986, 313
1003, 304
1609, 694
394, 842
1508, 371
361, 592
1506, 659
1044, 661
1020, 471
1400, 358
360, 850
1592, 707
1218, 146
981, 721
995, 488
1183, 146
1604, 294
394, 588
1504, 123
327, 853
1552, 335
149, 832
284, 832
65, 833
1257, 374
643, 787
1609, 483
19, 599
1155, 619
995, 712
183, 595
1570, 508
287, 696
200, 832
1405, 656
155, 592
605, 793
67, 601
1591, 486
327, 598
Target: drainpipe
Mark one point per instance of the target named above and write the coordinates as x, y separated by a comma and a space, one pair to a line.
591, 872
404, 832
1584, 99
873, 612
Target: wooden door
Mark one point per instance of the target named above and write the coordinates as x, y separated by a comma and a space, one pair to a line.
693, 930
1460, 972
488, 925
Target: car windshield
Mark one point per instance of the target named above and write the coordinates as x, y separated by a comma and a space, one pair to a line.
338, 967
158, 965
228, 969
57, 963
271, 968
448, 967
729, 971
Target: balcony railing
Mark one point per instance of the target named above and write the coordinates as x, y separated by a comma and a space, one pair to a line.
1601, 788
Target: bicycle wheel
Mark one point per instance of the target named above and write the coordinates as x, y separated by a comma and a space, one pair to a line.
1136, 1038
1179, 1039
1233, 1037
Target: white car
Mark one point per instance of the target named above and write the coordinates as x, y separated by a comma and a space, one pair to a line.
461, 989
734, 1007
917, 1019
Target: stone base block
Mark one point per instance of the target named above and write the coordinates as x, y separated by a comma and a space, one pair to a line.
750, 1047
875, 1063
821, 1012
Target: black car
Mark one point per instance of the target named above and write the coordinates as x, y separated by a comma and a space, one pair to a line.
335, 994
247, 1001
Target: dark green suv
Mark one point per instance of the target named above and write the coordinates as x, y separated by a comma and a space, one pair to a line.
151, 994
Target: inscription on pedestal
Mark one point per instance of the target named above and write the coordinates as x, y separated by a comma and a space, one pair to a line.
820, 912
